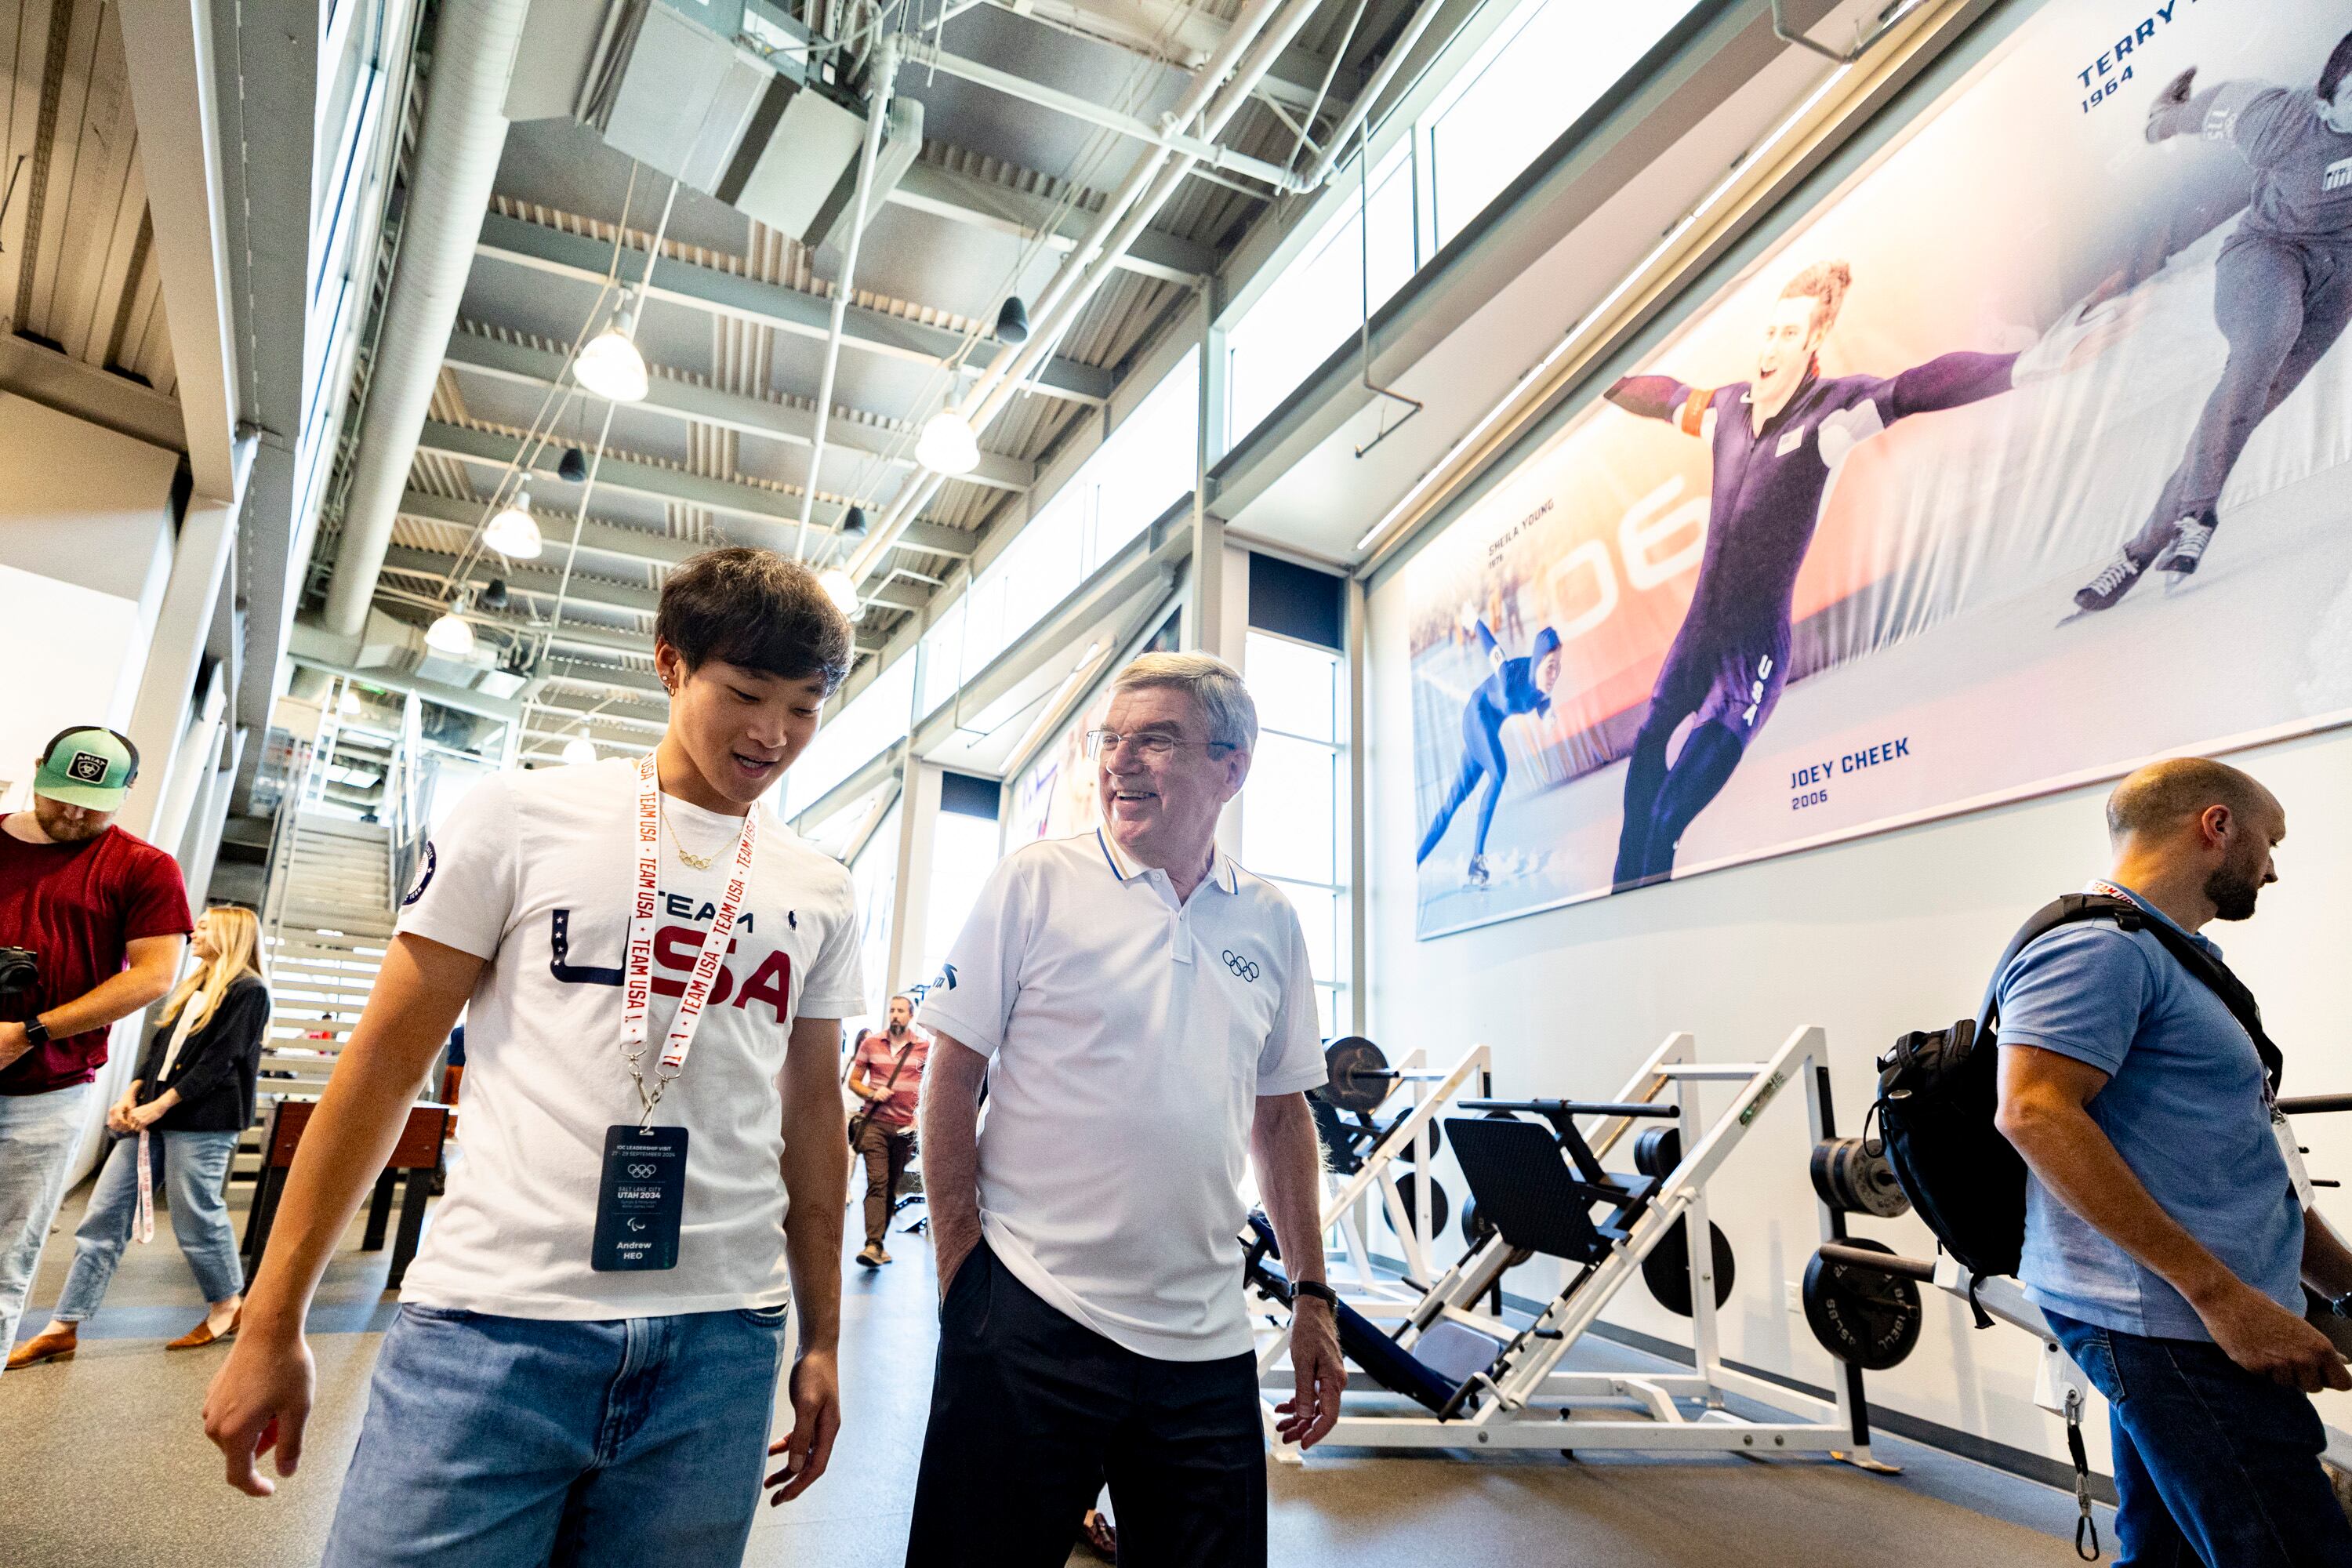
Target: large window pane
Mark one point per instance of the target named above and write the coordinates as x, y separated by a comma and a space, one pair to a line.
963, 852
1318, 303
1319, 917
1296, 688
1287, 812
874, 719
1540, 75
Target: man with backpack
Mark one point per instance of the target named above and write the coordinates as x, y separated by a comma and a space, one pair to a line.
2166, 1237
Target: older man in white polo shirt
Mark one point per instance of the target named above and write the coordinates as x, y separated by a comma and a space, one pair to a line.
1143, 1013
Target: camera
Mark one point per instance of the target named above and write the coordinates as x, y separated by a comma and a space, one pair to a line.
20, 969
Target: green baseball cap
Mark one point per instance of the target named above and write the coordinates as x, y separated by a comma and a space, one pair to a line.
89, 768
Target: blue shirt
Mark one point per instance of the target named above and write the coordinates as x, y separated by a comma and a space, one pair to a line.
2187, 1104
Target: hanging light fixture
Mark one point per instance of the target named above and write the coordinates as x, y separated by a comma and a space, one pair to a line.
579, 749
853, 525
572, 469
513, 532
348, 704
494, 594
611, 366
1013, 321
947, 445
839, 588
450, 634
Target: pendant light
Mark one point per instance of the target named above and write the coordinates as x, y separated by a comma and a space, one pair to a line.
1013, 321
947, 445
450, 634
611, 366
513, 532
854, 524
579, 749
572, 469
839, 588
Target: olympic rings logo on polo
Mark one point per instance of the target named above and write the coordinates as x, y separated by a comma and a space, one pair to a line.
1245, 968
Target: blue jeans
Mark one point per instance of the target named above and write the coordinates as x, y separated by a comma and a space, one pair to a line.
2213, 1465
37, 1135
196, 1166
494, 1442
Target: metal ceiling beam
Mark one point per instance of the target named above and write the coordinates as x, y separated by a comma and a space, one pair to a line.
632, 545
1178, 34
542, 579
168, 46
676, 397
59, 382
938, 539
630, 476
626, 718
706, 288
1026, 215
606, 677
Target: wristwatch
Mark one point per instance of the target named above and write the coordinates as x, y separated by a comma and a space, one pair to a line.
36, 1034
1317, 1289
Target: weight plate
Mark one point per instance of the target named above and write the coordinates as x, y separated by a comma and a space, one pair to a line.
1440, 1211
1666, 1271
1658, 1150
1861, 1316
1476, 1227
1852, 1176
1357, 1073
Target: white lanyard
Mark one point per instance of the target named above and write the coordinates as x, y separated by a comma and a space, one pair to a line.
637, 975
145, 1223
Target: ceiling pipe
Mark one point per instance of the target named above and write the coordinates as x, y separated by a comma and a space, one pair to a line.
877, 109
1335, 144
1250, 50
457, 149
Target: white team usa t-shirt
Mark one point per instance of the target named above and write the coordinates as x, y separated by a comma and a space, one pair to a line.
532, 872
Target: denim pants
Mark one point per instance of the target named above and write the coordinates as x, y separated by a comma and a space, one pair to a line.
37, 1135
2213, 1465
495, 1442
196, 1169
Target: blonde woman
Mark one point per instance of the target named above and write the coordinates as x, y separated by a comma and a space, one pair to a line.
192, 1096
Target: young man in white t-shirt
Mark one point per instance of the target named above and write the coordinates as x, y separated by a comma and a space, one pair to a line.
584, 1362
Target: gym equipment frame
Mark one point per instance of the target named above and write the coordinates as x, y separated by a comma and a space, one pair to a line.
1411, 1138
1518, 1398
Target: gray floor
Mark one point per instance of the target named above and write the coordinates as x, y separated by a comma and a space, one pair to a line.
105, 1464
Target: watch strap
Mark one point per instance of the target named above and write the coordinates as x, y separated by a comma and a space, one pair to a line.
1317, 1289
35, 1032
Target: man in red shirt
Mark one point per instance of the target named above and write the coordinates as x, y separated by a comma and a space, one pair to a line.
100, 918
889, 1076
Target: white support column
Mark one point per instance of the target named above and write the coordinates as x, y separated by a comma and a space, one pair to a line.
1359, 814
159, 714
201, 846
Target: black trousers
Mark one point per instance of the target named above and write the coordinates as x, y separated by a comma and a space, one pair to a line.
1032, 1413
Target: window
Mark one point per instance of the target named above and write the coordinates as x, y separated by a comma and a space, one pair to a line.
874, 719
1535, 78
1294, 814
1319, 301
874, 874
1144, 468
963, 852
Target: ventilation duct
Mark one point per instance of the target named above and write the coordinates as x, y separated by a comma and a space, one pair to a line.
719, 95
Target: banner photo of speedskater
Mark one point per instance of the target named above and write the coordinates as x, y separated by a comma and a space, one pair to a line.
2025, 456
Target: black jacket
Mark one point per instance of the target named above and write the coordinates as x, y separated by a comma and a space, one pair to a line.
218, 1065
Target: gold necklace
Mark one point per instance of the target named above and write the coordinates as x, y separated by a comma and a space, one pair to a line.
699, 862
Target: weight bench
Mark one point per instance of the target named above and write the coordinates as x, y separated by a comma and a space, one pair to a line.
1536, 1170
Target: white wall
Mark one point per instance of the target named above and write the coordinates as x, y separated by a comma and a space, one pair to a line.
1869, 939
85, 551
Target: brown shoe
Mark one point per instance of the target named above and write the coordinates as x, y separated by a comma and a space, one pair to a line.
871, 1255
41, 1347
202, 1334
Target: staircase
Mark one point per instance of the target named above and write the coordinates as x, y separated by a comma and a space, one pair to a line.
329, 918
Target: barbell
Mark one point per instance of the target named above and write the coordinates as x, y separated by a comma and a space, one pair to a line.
1864, 1310
1357, 1073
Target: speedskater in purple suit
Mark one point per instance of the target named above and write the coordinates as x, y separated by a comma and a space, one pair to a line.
1777, 440
2282, 291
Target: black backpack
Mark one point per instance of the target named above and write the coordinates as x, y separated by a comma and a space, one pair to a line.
1938, 1091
